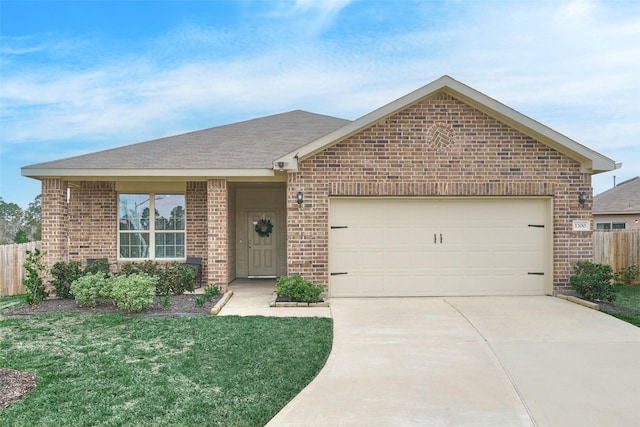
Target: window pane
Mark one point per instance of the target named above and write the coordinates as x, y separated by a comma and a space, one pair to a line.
169, 245
169, 212
603, 226
619, 226
134, 245
133, 211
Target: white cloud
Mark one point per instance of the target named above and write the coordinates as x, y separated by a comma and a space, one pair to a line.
572, 66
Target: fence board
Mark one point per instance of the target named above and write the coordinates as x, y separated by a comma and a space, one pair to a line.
619, 248
11, 271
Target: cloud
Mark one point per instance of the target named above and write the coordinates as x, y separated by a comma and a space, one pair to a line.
570, 65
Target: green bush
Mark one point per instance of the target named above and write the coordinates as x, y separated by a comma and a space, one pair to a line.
210, 292
134, 293
627, 276
593, 281
176, 279
87, 289
64, 274
32, 280
173, 279
298, 289
98, 266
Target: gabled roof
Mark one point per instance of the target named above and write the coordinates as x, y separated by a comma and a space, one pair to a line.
592, 162
262, 146
220, 151
624, 198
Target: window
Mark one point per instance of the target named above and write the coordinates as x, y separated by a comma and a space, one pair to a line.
141, 236
611, 226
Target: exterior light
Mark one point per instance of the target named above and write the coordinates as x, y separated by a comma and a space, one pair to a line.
281, 166
582, 198
300, 198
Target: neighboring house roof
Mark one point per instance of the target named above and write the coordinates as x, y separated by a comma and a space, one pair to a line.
624, 198
592, 162
261, 146
251, 144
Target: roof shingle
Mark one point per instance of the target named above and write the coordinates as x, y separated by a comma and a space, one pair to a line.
249, 144
623, 198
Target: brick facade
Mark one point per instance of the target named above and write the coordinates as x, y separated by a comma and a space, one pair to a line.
93, 221
438, 147
217, 220
54, 220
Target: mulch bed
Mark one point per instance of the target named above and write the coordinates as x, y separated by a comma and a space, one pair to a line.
180, 305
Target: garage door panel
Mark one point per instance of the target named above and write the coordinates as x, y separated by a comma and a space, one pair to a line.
406, 247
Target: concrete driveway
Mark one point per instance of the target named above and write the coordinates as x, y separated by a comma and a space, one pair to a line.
481, 361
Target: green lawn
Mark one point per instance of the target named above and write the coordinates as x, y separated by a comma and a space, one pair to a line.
628, 297
117, 370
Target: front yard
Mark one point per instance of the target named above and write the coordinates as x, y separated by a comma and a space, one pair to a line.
121, 370
628, 297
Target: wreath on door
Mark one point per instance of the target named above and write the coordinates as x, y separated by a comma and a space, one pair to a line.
264, 227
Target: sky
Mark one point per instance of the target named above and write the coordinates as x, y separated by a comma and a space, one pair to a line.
84, 76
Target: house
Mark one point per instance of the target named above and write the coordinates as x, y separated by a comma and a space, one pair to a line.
444, 191
619, 207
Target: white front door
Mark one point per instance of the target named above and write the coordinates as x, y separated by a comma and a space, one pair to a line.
262, 249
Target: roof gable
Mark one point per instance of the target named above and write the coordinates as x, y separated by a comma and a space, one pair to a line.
591, 161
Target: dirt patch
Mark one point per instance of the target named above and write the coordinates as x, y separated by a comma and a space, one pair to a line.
179, 305
15, 385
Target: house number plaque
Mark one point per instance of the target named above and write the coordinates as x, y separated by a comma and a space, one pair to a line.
579, 225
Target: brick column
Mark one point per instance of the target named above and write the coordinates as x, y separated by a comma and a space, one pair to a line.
54, 220
217, 224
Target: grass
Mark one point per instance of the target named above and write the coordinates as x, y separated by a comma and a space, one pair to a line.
115, 370
628, 297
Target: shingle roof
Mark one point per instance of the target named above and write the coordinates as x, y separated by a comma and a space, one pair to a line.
623, 198
244, 145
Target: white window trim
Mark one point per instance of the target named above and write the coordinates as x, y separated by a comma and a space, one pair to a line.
152, 232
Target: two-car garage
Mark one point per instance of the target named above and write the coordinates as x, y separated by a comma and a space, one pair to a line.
417, 246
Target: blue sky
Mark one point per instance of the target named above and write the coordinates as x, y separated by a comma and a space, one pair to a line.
82, 76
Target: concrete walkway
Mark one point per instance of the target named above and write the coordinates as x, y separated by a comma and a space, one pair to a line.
251, 298
483, 361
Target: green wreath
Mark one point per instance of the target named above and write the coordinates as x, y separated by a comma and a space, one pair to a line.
264, 227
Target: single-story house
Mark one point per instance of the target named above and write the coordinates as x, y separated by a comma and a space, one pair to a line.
444, 191
619, 207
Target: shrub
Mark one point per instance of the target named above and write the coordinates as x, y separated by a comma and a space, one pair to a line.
174, 279
33, 281
64, 274
210, 292
98, 266
298, 289
627, 276
134, 293
593, 281
177, 278
87, 289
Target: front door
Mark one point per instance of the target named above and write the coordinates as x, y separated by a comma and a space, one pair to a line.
262, 245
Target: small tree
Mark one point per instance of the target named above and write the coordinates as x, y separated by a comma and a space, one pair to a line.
33, 281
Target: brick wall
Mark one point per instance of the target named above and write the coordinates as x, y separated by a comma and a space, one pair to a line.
54, 220
93, 221
196, 209
438, 147
217, 214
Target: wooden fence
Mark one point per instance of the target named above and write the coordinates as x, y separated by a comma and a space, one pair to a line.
11, 271
619, 249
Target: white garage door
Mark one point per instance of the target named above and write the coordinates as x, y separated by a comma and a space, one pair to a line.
439, 247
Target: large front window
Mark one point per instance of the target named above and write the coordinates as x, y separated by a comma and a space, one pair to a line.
145, 236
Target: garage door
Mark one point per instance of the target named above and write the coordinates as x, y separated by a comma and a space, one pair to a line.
439, 247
